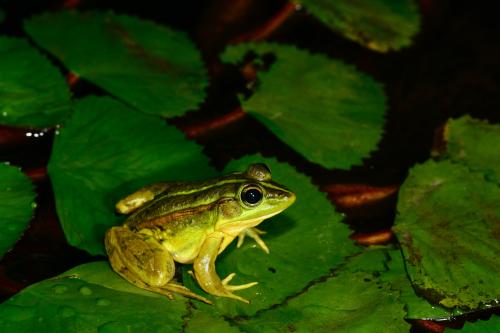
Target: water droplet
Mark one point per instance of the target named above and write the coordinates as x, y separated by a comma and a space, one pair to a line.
86, 291
59, 289
29, 134
33, 205
4, 114
67, 311
113, 327
103, 302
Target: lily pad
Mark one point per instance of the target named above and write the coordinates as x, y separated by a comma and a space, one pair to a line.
416, 306
151, 67
106, 151
305, 242
32, 90
72, 303
481, 326
323, 108
473, 142
380, 25
353, 299
16, 205
448, 227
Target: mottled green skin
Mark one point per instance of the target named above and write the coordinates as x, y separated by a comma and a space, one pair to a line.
191, 223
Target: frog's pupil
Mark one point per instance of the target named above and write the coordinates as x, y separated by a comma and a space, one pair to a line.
252, 196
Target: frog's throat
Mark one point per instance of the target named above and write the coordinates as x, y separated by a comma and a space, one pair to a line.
234, 228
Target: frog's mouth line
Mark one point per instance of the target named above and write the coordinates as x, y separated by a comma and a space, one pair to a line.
236, 227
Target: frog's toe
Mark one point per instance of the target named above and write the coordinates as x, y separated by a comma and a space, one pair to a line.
255, 234
227, 279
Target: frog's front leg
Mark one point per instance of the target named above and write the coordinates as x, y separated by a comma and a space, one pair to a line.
144, 262
255, 234
204, 270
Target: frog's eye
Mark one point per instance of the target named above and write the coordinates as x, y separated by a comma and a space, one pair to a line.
251, 195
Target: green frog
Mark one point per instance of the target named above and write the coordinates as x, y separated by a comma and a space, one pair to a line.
192, 223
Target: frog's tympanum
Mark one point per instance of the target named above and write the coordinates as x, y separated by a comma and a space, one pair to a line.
192, 223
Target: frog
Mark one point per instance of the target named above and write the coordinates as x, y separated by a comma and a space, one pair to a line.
192, 223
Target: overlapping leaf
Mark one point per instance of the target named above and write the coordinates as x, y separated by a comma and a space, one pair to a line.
472, 142
33, 92
380, 25
105, 152
97, 300
324, 109
481, 326
154, 68
448, 225
305, 242
353, 299
16, 205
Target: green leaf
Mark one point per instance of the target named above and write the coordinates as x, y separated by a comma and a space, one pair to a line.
448, 227
380, 25
33, 92
73, 303
153, 68
474, 143
353, 299
205, 319
481, 326
324, 109
16, 205
416, 307
106, 151
305, 242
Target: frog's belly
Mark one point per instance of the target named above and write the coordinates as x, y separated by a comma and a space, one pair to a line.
184, 246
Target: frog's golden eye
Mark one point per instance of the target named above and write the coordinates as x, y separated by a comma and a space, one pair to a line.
251, 195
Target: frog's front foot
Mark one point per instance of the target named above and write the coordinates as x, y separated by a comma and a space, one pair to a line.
255, 234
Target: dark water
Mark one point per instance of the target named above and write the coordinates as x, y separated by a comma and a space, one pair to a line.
453, 68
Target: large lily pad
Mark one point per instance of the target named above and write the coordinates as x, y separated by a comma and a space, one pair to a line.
305, 242
106, 151
353, 299
380, 25
16, 205
75, 302
448, 227
151, 67
33, 92
474, 142
324, 109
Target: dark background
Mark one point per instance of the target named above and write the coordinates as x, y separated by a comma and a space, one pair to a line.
453, 68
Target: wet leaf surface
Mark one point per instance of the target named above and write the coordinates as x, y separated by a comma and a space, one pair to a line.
332, 116
471, 142
107, 151
353, 299
96, 301
305, 242
16, 205
448, 227
151, 67
380, 25
33, 92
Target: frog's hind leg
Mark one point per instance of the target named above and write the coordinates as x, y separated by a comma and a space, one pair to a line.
137, 199
141, 260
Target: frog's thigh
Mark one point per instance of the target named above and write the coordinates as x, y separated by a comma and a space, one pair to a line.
139, 257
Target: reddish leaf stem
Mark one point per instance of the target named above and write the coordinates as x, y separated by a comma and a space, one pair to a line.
355, 195
196, 130
267, 28
372, 238
36, 174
